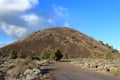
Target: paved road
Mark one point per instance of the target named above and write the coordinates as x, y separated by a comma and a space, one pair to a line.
66, 71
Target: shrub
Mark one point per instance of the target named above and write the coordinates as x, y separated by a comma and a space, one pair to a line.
95, 55
56, 55
13, 54
66, 41
51, 54
20, 55
101, 42
114, 50
65, 56
108, 55
44, 54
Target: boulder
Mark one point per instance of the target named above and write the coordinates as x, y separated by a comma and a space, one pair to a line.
32, 74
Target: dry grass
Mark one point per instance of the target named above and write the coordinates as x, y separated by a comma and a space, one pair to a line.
115, 73
20, 67
48, 76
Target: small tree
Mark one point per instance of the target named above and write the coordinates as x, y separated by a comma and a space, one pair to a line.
44, 54
52, 56
101, 42
56, 55
20, 55
13, 54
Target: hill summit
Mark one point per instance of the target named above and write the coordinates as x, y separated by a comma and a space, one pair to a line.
65, 39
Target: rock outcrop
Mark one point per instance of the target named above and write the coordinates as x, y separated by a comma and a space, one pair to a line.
110, 66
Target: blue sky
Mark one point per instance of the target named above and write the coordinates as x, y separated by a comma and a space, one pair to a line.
96, 18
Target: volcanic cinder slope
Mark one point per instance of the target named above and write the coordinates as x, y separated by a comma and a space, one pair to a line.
67, 40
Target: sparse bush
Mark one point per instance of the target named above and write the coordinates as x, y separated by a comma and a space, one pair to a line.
111, 48
73, 37
65, 56
114, 50
13, 54
94, 46
101, 42
108, 55
95, 55
26, 63
66, 41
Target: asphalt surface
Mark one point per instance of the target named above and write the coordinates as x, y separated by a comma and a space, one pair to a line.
66, 71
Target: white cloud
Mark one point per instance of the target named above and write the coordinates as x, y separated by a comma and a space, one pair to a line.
12, 30
17, 18
66, 24
35, 22
9, 6
11, 10
10, 17
2, 44
60, 11
50, 21
32, 19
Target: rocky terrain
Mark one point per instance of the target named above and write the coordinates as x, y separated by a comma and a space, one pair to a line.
23, 69
106, 66
79, 69
66, 40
